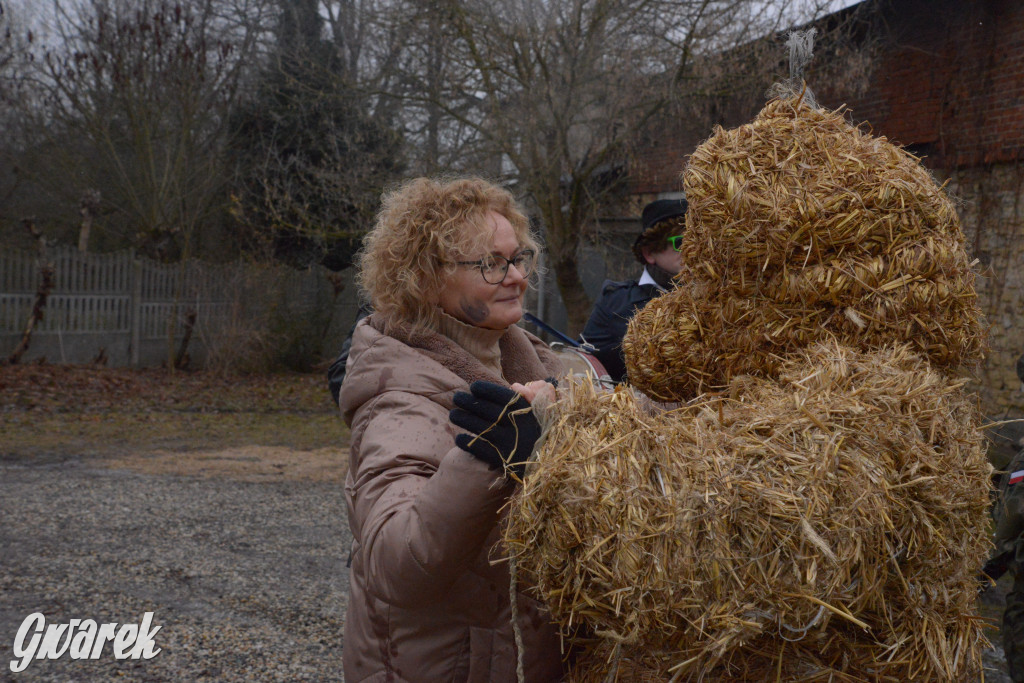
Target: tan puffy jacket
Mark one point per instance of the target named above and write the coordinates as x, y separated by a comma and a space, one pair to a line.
426, 602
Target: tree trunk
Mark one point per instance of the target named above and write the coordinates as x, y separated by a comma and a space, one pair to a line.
83, 233
88, 208
574, 296
42, 294
181, 358
563, 242
563, 245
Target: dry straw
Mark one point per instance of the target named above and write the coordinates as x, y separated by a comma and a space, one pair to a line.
801, 228
823, 515
824, 525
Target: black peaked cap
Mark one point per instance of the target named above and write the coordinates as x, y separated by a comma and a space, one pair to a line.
661, 209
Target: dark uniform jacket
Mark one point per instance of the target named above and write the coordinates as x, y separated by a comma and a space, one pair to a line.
607, 324
336, 373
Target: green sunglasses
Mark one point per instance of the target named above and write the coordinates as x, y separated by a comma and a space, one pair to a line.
676, 241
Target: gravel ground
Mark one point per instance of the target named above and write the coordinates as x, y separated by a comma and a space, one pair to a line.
246, 578
242, 562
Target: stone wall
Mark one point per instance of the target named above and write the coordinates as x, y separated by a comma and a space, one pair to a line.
991, 206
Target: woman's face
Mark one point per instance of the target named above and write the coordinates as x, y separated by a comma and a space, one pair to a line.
469, 298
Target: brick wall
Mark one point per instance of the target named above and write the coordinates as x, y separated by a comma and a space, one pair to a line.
950, 81
659, 159
992, 213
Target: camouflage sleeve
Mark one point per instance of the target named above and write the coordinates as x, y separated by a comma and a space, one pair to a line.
1008, 512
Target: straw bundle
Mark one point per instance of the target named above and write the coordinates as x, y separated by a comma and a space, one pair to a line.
801, 227
828, 523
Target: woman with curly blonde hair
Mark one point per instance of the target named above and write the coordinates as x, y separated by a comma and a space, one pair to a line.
439, 439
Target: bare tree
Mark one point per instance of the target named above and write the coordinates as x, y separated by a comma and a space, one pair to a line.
8, 49
554, 95
46, 283
135, 97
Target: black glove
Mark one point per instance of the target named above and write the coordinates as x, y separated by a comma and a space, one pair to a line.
503, 423
995, 568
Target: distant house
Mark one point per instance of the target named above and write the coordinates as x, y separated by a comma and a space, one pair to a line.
947, 82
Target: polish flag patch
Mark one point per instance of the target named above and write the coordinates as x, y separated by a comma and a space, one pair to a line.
1017, 477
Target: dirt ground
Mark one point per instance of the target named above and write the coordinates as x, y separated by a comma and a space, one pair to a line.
248, 463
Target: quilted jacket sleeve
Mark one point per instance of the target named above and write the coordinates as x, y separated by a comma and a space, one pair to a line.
422, 508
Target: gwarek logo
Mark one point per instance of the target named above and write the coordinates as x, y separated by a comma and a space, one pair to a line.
81, 639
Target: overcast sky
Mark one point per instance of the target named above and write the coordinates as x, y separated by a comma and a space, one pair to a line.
38, 14
39, 9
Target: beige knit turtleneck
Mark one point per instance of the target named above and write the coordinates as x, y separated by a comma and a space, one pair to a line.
479, 341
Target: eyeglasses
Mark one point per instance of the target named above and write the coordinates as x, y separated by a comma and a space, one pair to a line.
676, 241
495, 268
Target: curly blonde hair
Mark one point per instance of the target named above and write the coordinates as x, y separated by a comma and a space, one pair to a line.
423, 226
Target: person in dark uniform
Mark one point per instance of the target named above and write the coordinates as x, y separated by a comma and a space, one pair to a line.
336, 373
657, 250
1009, 555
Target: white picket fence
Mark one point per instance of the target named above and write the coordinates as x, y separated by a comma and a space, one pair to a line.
132, 307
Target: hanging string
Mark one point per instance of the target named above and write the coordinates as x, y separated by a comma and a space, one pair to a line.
513, 572
513, 569
509, 472
801, 52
